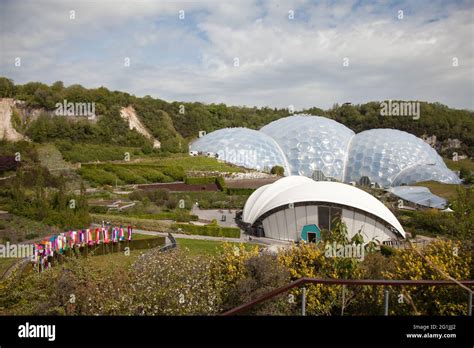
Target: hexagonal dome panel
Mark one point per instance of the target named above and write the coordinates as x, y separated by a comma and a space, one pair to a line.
311, 143
381, 154
420, 173
243, 147
307, 145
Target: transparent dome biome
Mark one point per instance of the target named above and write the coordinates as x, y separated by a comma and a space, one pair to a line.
322, 148
418, 195
243, 147
381, 154
421, 173
311, 143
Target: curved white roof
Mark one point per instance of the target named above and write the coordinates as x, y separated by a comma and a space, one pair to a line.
294, 189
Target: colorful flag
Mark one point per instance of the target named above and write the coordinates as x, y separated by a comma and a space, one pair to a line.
106, 235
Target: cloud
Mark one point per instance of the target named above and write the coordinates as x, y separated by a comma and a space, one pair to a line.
281, 61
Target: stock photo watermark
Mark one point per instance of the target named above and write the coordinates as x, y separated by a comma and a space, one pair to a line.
400, 108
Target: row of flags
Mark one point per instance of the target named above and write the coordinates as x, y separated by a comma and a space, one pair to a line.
68, 240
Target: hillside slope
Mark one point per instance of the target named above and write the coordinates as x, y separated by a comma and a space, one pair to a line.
129, 114
7, 132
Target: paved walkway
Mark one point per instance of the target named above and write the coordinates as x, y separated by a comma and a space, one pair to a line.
242, 239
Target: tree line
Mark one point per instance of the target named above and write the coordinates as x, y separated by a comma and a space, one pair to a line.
176, 123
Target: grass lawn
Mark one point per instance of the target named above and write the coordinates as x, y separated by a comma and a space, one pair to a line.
51, 157
141, 236
143, 224
447, 191
114, 260
121, 260
6, 262
194, 163
467, 163
204, 247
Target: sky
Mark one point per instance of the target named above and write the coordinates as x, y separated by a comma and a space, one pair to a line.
244, 52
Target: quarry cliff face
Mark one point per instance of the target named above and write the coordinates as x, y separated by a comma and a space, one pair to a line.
7, 132
129, 114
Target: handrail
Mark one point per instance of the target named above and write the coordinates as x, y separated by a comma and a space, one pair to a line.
246, 306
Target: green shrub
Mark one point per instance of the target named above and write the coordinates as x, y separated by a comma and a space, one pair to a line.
128, 175
240, 191
221, 184
177, 173
277, 170
386, 250
98, 209
98, 176
31, 235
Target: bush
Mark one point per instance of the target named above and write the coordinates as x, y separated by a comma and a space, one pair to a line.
98, 176
221, 184
261, 274
31, 235
277, 170
98, 209
386, 250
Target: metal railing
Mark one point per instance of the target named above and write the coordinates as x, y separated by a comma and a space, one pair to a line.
375, 282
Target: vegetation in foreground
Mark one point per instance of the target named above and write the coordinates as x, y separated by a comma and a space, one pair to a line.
180, 282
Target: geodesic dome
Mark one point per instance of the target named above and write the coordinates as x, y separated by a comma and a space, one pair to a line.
243, 147
311, 143
318, 147
385, 154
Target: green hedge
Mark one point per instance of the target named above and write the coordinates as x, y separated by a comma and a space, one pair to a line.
218, 180
200, 180
215, 231
221, 184
183, 216
239, 191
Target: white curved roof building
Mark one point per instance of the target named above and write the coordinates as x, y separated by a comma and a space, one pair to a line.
314, 146
284, 208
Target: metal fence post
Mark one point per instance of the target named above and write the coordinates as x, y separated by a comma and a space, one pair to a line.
303, 302
385, 300
469, 309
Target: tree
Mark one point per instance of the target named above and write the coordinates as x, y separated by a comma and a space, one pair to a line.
7, 88
277, 170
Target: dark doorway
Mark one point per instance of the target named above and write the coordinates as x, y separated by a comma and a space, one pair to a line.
311, 237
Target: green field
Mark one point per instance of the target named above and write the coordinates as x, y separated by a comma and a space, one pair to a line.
198, 163
466, 163
51, 158
114, 261
82, 152
143, 224
5, 263
203, 247
447, 191
150, 170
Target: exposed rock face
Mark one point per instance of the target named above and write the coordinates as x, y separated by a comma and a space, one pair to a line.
7, 132
134, 122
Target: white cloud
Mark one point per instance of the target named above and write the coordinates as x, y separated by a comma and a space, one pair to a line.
282, 61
